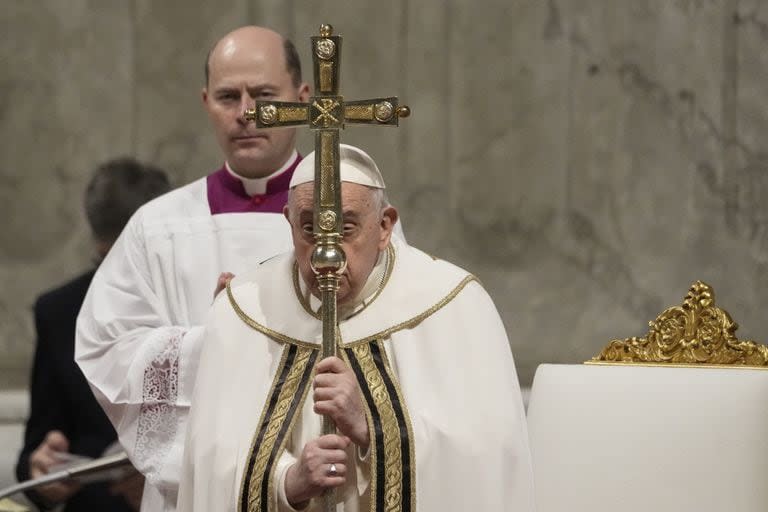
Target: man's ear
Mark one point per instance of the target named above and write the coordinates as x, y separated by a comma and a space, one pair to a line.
388, 220
204, 96
304, 92
286, 214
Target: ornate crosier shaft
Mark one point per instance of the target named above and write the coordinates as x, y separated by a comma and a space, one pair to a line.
334, 256
328, 258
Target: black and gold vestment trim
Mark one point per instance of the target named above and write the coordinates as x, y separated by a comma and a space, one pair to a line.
288, 392
393, 459
392, 456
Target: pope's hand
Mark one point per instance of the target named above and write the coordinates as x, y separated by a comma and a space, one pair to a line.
337, 394
43, 459
312, 473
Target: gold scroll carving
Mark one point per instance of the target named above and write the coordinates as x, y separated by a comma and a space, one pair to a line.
695, 333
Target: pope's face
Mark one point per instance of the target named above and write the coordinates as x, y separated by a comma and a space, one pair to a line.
367, 230
250, 65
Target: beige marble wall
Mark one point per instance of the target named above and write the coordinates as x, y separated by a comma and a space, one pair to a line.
586, 159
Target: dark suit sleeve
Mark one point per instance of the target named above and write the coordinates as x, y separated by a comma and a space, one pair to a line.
46, 405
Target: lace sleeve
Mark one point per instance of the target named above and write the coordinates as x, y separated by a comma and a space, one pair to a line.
158, 421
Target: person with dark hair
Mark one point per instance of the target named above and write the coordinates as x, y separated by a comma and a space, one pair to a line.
115, 192
140, 329
64, 415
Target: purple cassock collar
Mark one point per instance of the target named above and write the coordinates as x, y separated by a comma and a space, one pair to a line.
226, 194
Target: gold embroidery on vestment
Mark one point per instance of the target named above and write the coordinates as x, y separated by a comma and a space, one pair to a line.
408, 424
266, 331
390, 428
411, 322
275, 424
416, 320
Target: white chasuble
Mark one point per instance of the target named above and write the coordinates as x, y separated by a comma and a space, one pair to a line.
141, 325
437, 378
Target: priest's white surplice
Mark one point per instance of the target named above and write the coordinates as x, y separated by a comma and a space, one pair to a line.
140, 328
439, 334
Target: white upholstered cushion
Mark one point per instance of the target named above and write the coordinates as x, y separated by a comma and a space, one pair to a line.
631, 438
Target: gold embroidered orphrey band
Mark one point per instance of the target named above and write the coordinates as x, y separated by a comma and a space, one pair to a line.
392, 456
289, 389
695, 334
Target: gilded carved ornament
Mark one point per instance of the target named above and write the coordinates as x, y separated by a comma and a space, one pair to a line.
695, 333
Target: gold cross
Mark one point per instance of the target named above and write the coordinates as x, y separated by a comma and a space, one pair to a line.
326, 114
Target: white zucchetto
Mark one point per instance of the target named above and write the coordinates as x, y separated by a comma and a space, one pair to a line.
356, 166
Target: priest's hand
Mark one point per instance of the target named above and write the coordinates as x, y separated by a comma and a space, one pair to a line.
221, 283
337, 394
46, 456
312, 473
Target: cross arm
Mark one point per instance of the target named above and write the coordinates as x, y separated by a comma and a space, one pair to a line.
377, 111
274, 114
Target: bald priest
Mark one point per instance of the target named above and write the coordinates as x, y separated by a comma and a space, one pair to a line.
424, 392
